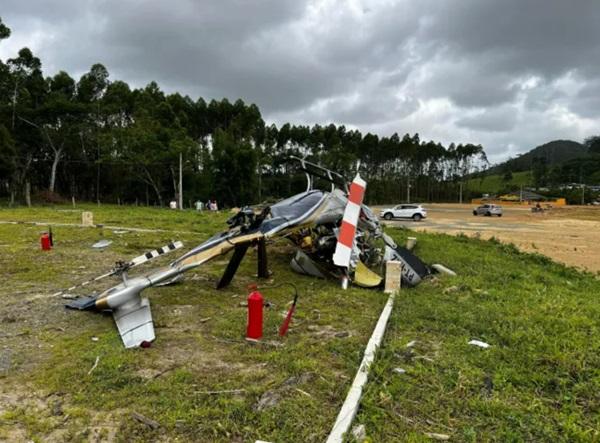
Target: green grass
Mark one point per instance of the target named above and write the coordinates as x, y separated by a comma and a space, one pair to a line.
189, 356
113, 215
540, 380
492, 184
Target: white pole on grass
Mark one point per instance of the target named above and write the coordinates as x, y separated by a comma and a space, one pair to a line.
350, 406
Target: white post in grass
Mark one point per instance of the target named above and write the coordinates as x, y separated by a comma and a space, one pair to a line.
350, 406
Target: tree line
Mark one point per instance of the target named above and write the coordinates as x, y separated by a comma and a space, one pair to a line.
98, 139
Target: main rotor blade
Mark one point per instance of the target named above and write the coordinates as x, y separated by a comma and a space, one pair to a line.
131, 264
157, 252
343, 249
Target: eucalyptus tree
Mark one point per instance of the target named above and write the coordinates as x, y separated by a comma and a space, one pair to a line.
27, 91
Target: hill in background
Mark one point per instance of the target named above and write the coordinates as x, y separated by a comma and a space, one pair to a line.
554, 152
493, 184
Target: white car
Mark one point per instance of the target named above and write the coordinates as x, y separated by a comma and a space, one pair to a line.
489, 210
416, 212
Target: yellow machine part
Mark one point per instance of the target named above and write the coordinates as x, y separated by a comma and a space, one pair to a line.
366, 278
306, 242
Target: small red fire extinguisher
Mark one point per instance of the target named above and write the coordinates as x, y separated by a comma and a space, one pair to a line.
46, 242
255, 314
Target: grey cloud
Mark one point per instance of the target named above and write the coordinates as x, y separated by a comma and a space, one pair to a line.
495, 120
452, 70
587, 101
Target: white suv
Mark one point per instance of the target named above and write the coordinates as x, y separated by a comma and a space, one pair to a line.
488, 210
416, 212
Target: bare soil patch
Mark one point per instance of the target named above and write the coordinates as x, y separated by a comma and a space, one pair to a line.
570, 235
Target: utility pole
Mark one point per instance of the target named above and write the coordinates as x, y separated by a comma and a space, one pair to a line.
408, 190
582, 194
181, 181
460, 185
521, 195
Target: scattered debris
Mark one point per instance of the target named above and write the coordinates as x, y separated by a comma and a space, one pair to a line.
303, 392
204, 320
152, 424
327, 331
436, 436
95, 365
411, 343
451, 289
57, 408
120, 232
164, 371
488, 385
399, 371
359, 432
5, 360
101, 244
481, 344
273, 397
95, 339
225, 391
411, 242
267, 400
443, 270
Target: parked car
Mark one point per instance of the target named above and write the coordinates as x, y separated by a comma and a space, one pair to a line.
488, 210
416, 212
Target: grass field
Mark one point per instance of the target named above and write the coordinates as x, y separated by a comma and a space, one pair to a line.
539, 380
492, 184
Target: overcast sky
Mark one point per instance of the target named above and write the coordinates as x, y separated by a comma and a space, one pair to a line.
509, 74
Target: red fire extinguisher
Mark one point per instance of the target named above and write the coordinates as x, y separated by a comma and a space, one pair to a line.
46, 242
255, 314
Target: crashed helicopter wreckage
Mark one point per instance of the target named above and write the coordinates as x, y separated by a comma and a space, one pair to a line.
334, 233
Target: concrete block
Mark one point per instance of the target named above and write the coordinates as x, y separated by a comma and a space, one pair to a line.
87, 218
393, 276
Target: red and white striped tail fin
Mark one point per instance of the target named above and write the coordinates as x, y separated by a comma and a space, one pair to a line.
343, 249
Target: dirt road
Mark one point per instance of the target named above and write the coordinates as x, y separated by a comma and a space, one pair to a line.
570, 235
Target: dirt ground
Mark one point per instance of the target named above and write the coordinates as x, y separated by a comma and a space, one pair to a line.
570, 235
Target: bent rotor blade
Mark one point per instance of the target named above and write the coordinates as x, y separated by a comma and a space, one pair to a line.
233, 265
343, 249
131, 264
